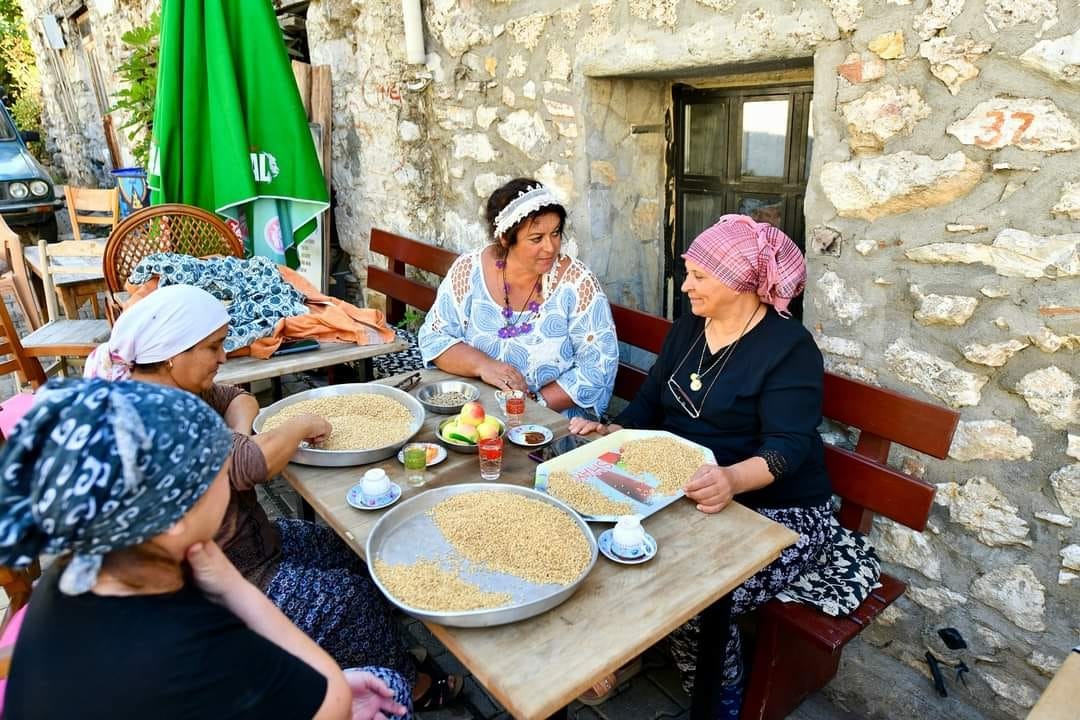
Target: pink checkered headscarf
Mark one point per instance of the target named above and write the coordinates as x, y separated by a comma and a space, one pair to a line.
751, 256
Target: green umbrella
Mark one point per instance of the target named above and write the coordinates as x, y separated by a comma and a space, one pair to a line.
230, 134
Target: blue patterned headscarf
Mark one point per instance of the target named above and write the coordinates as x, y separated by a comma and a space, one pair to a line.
98, 466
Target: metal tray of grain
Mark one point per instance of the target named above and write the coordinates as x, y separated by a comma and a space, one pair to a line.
343, 458
407, 534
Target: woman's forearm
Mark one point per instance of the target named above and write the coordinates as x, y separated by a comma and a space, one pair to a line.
751, 474
241, 413
280, 444
462, 359
556, 398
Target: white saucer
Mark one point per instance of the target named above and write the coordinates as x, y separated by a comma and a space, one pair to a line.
604, 543
357, 499
439, 456
517, 435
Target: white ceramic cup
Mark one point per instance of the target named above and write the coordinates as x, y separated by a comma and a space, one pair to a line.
375, 483
628, 537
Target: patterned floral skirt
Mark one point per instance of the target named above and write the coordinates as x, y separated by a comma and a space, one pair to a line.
324, 588
813, 526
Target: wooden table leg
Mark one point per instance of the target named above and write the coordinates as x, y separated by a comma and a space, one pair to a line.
70, 303
710, 660
306, 511
561, 715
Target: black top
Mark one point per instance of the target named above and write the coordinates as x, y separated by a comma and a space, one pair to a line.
168, 656
766, 401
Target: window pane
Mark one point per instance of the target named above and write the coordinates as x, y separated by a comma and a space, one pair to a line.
706, 134
699, 212
764, 136
763, 208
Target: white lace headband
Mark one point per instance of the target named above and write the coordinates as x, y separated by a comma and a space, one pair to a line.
526, 203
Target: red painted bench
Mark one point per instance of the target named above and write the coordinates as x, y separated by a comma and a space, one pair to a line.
798, 648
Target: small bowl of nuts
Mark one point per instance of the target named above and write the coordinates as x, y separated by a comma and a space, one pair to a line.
446, 397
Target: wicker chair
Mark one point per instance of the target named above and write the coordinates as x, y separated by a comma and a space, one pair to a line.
171, 228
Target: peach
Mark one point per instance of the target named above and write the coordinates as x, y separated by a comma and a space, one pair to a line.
472, 413
464, 434
490, 428
448, 429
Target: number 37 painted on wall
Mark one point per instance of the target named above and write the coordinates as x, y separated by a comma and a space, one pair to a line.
999, 123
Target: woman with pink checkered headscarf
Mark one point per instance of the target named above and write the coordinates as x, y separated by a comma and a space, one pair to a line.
741, 377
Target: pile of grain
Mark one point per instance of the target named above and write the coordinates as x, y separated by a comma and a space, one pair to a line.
427, 586
513, 534
359, 421
673, 462
583, 497
448, 399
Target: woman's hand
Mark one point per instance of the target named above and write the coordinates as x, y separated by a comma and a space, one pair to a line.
371, 697
502, 375
212, 571
712, 487
581, 426
314, 428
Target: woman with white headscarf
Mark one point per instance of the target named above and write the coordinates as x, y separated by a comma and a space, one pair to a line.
175, 337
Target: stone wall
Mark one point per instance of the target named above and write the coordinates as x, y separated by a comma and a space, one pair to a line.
72, 116
943, 191
943, 178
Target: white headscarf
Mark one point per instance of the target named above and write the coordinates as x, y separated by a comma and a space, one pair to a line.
164, 324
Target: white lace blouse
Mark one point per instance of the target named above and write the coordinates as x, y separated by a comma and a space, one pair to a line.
572, 341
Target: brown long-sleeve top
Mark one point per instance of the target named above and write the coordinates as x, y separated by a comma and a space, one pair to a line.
247, 537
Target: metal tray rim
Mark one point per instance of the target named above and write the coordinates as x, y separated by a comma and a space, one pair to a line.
483, 617
346, 458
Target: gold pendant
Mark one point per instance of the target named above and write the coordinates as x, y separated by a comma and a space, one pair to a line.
695, 382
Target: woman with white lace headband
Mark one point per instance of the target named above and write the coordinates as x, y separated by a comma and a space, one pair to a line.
520, 314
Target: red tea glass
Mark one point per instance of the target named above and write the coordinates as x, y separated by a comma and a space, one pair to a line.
490, 451
515, 407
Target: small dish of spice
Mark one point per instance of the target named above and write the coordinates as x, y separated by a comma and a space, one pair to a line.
530, 435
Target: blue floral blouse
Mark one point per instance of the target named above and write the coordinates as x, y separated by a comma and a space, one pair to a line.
572, 341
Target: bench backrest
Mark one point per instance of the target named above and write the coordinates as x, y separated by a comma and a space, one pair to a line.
862, 479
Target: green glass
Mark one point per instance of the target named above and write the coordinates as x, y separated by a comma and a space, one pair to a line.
415, 457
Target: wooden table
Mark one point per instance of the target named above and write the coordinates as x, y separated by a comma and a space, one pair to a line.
248, 369
1061, 698
538, 666
70, 287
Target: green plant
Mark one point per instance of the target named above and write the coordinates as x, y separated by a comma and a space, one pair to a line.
138, 72
19, 73
413, 319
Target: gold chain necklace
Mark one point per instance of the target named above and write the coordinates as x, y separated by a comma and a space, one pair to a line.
695, 377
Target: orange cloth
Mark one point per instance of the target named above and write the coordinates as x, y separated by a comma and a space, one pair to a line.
328, 320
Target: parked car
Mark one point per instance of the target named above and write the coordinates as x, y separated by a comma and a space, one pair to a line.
27, 194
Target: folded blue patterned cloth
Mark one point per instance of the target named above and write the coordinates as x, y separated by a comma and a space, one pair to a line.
253, 291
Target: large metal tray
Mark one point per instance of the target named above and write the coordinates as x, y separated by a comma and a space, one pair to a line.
344, 458
585, 460
406, 534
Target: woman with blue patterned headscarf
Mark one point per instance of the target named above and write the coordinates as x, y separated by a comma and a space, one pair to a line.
141, 615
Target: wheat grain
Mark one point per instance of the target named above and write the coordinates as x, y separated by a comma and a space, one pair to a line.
671, 461
427, 586
360, 421
583, 497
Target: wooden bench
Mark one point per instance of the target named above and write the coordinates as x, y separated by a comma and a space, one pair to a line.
798, 648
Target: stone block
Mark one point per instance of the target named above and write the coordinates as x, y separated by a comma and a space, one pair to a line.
953, 61
1027, 123
871, 188
936, 17
836, 300
1050, 342
859, 68
825, 240
1016, 593
1013, 253
981, 508
1053, 395
1069, 203
1001, 14
931, 309
904, 546
933, 375
989, 440
936, 599
525, 130
1058, 58
1066, 484
993, 355
888, 46
881, 114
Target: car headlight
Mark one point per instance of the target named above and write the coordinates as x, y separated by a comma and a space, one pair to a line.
18, 190
39, 188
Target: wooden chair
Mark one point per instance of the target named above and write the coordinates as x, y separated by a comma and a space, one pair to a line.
88, 206
169, 228
19, 361
16, 280
80, 257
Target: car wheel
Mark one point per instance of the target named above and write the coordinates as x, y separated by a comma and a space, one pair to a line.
47, 230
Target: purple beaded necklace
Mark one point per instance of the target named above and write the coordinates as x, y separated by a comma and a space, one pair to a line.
519, 327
